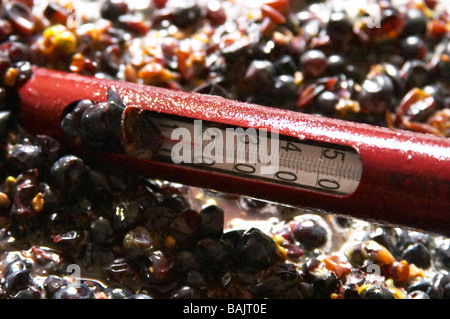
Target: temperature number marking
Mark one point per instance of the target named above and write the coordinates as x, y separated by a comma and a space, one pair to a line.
315, 166
333, 154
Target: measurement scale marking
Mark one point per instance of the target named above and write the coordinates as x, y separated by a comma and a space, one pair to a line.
324, 167
296, 160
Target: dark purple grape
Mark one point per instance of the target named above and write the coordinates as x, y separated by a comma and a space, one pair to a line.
99, 126
93, 126
161, 219
335, 64
68, 174
74, 291
232, 238
70, 124
259, 76
383, 236
216, 14
339, 28
325, 285
285, 65
113, 9
6, 29
101, 231
247, 276
50, 147
415, 23
419, 255
312, 269
239, 53
419, 285
16, 51
25, 72
214, 254
18, 264
212, 219
375, 292
25, 190
438, 92
186, 226
256, 249
285, 88
282, 279
195, 279
355, 73
377, 95
393, 72
351, 291
80, 108
293, 251
18, 280
443, 65
26, 156
52, 198
440, 282
116, 106
159, 268
325, 103
270, 287
52, 284
117, 293
112, 58
413, 47
30, 293
115, 102
138, 242
187, 13
405, 239
314, 63
310, 234
126, 215
414, 73
188, 260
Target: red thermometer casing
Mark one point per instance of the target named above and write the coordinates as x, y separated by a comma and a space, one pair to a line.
405, 176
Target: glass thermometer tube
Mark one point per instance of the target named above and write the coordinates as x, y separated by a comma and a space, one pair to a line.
321, 167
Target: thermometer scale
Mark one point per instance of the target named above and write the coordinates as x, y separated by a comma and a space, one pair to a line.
355, 169
321, 167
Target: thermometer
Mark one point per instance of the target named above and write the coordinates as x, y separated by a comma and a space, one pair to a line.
282, 156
